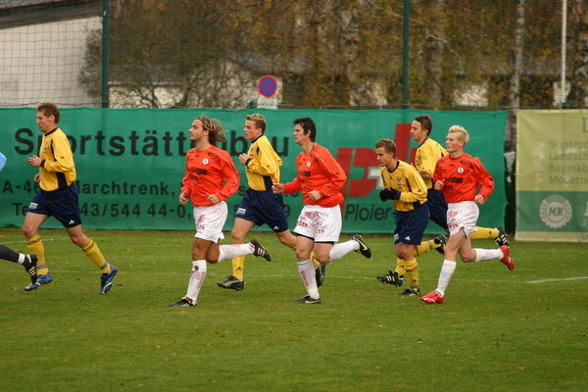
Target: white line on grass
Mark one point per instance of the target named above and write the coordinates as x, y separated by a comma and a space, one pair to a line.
556, 280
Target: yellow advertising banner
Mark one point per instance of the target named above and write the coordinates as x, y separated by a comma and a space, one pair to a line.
552, 175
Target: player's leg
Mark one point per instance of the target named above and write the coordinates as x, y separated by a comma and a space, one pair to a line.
29, 262
306, 270
485, 233
235, 281
200, 248
411, 226
30, 229
469, 254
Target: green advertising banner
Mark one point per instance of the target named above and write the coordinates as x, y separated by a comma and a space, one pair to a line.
552, 175
130, 161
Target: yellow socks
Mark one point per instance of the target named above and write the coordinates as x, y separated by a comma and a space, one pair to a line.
238, 266
93, 252
485, 233
400, 267
314, 260
425, 246
412, 270
35, 247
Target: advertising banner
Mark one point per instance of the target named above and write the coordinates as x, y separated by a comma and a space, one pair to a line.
130, 162
552, 175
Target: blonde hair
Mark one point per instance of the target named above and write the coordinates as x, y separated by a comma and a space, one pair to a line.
463, 135
258, 119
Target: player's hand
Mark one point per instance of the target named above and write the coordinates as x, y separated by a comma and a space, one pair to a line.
479, 199
389, 194
315, 195
37, 177
278, 187
243, 158
213, 199
425, 175
183, 198
34, 161
439, 185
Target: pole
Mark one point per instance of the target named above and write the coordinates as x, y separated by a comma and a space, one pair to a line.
105, 50
564, 23
405, 49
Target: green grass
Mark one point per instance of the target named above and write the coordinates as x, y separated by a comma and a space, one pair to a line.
497, 331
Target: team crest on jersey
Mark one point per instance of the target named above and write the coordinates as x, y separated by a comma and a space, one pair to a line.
205, 161
460, 170
308, 163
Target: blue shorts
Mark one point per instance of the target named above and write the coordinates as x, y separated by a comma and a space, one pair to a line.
62, 204
437, 207
263, 207
411, 225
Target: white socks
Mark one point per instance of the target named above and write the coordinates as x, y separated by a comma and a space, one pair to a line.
341, 249
307, 274
235, 250
196, 279
445, 276
488, 254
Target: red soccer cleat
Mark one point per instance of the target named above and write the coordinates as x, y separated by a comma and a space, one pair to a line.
506, 259
433, 298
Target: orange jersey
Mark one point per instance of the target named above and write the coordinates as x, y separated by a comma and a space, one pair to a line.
462, 177
209, 172
318, 170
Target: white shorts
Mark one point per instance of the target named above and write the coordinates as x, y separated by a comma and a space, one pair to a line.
210, 220
323, 224
462, 215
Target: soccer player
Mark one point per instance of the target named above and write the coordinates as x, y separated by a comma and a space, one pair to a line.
29, 262
58, 197
320, 178
210, 178
408, 192
427, 155
259, 205
465, 183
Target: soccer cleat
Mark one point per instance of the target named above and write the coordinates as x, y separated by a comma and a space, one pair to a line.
391, 278
183, 303
30, 265
320, 274
308, 300
259, 250
232, 283
433, 298
441, 240
44, 279
502, 239
31, 287
364, 250
506, 259
410, 292
106, 280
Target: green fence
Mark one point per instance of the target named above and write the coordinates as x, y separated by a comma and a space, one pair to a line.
130, 162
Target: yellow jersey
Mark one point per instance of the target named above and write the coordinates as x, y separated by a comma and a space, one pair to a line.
57, 168
263, 167
408, 181
427, 155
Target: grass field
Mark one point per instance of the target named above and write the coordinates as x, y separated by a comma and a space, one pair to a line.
498, 330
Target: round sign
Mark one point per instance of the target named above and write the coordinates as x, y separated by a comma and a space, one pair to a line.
267, 86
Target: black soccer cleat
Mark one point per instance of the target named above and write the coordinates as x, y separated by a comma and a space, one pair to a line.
320, 274
391, 278
184, 302
410, 292
259, 250
364, 250
30, 265
232, 283
442, 241
502, 239
309, 300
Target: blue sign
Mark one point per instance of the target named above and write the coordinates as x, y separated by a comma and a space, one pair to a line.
267, 86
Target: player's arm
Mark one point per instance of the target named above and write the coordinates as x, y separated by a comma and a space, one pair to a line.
185, 189
438, 179
62, 157
337, 175
264, 163
292, 186
426, 161
418, 189
485, 180
231, 177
